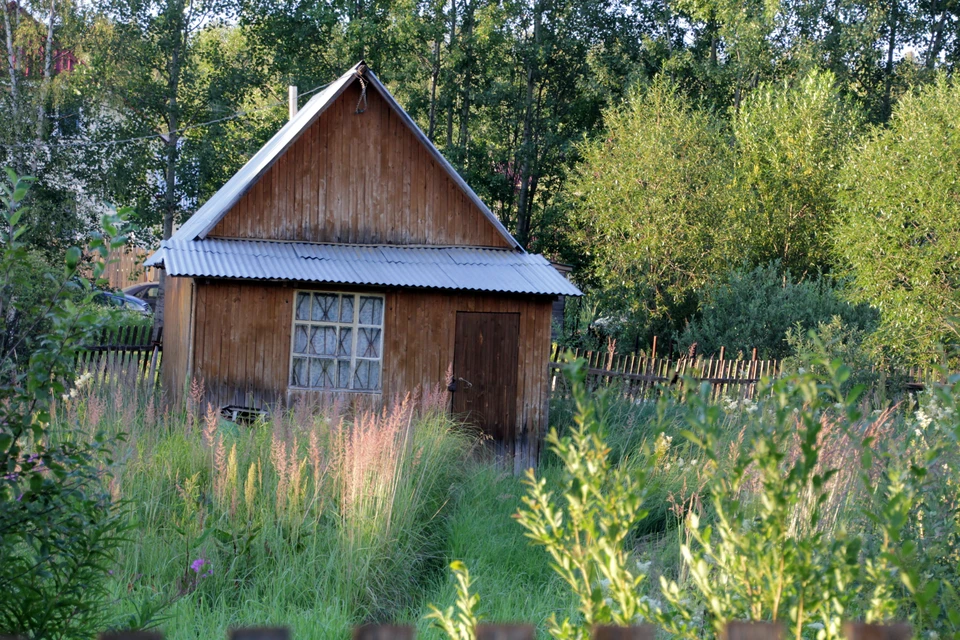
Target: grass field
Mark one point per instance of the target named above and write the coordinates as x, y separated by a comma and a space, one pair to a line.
323, 521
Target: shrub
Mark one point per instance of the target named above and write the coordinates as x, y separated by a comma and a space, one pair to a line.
756, 308
899, 229
58, 526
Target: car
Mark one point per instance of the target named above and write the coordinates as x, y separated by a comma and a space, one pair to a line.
146, 291
122, 301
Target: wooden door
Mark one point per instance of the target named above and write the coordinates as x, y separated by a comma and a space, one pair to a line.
485, 362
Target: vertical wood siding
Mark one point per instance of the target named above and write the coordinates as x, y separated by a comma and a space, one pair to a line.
358, 178
177, 336
243, 336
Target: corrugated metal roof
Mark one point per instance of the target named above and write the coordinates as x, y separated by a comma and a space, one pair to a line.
207, 216
459, 268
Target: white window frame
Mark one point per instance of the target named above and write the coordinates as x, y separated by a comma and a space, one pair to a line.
355, 327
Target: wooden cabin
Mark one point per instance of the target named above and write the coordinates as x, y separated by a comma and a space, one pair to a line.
348, 258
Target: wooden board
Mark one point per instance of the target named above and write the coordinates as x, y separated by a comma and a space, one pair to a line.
485, 367
358, 178
243, 345
177, 336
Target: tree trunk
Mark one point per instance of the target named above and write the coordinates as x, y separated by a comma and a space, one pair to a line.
171, 139
11, 53
936, 34
526, 144
450, 48
434, 80
888, 68
47, 76
467, 31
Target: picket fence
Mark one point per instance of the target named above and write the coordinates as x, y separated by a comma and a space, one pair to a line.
127, 355
733, 631
639, 376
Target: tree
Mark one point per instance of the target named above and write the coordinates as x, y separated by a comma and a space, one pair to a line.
646, 205
790, 144
899, 229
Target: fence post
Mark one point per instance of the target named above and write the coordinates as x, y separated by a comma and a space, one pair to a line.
259, 633
505, 632
640, 632
864, 631
752, 631
383, 632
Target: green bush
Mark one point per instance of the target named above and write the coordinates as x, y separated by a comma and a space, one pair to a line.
59, 527
756, 308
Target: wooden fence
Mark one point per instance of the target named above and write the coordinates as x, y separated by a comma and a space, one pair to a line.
733, 631
126, 354
639, 376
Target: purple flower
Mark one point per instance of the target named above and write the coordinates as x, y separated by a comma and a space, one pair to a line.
198, 566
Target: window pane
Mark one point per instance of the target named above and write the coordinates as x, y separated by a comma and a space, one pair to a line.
367, 375
321, 374
303, 306
300, 339
371, 310
325, 307
346, 309
345, 346
368, 343
323, 341
344, 374
299, 372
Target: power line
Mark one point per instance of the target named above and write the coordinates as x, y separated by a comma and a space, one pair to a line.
107, 143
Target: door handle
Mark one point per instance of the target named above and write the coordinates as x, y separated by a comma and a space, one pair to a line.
453, 384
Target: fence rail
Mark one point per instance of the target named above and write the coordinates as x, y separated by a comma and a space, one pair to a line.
129, 354
732, 631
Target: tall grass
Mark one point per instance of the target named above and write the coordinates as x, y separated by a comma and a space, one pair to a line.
318, 517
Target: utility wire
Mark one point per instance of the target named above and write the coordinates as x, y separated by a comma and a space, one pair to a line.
107, 143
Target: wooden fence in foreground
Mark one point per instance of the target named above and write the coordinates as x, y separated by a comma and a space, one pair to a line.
733, 631
639, 376
126, 355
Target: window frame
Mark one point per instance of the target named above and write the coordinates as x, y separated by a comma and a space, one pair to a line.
354, 326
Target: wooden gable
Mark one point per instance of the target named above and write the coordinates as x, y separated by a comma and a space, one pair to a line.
361, 178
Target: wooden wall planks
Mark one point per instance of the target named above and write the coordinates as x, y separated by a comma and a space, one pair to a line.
358, 178
243, 332
177, 336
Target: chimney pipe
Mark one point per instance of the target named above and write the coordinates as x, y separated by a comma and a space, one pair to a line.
292, 99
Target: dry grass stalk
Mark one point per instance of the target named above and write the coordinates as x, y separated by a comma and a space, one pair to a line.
210, 422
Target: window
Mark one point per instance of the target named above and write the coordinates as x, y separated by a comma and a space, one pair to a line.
337, 341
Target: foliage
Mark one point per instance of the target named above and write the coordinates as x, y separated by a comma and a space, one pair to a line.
461, 625
838, 341
779, 556
645, 205
585, 537
59, 528
759, 307
899, 234
791, 141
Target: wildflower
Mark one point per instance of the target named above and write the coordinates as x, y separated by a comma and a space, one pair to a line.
198, 566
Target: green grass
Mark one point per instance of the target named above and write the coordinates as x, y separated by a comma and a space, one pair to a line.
306, 522
321, 522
